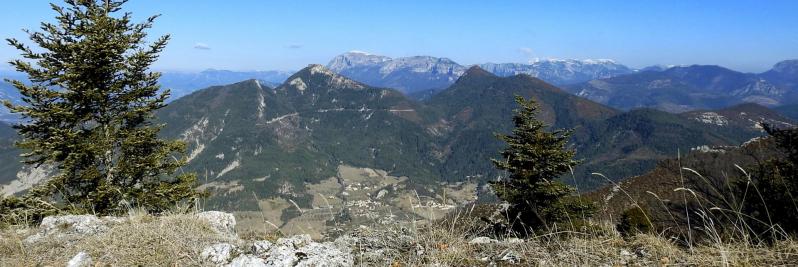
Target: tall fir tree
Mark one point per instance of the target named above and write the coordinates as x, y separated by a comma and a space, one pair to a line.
88, 112
534, 160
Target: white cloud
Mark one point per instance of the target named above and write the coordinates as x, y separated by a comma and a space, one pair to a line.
528, 53
202, 46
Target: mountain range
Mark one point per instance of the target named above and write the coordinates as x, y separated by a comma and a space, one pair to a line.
668, 88
419, 74
561, 71
249, 138
407, 74
685, 88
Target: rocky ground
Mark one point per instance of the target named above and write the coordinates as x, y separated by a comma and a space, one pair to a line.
211, 239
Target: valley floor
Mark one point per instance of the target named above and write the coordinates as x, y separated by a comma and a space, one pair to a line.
209, 239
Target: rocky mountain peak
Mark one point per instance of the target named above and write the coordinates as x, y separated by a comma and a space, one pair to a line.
355, 58
319, 76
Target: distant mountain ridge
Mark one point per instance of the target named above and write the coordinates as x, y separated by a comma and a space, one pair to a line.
685, 88
561, 71
412, 75
183, 83
179, 83
407, 74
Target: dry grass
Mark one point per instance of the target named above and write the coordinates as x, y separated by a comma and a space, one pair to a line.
143, 240
177, 240
444, 245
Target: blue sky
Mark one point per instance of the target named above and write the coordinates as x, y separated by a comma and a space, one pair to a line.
287, 35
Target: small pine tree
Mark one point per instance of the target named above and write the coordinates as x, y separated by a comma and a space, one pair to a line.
89, 111
534, 159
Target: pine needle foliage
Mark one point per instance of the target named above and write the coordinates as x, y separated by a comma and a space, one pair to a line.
88, 112
535, 158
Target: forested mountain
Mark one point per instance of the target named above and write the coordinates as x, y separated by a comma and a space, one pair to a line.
274, 140
481, 104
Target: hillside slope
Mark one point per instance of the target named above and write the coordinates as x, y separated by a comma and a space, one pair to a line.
273, 141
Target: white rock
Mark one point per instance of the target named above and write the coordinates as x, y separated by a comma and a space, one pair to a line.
261, 248
247, 261
324, 255
301, 251
381, 194
511, 257
625, 253
217, 253
74, 226
282, 256
345, 243
513, 240
82, 259
221, 222
482, 240
294, 241
111, 220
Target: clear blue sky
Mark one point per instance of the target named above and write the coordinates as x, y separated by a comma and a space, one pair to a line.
264, 35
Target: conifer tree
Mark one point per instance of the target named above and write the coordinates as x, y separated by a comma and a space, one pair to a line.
534, 160
88, 112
